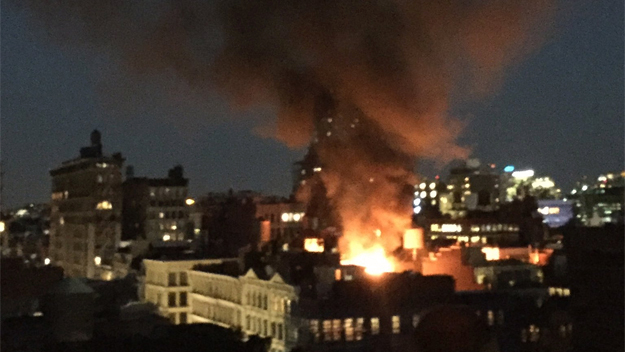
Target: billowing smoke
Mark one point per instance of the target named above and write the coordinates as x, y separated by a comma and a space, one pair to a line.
382, 71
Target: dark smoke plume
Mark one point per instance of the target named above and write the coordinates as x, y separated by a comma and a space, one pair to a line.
389, 64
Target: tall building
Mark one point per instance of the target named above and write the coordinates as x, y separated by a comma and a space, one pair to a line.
156, 209
518, 184
85, 219
472, 186
600, 202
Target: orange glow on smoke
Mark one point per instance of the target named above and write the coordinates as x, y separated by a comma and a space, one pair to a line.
374, 261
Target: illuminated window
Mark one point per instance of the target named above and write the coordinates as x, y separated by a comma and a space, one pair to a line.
534, 333
432, 185
359, 328
314, 329
61, 221
375, 326
491, 318
415, 320
396, 324
423, 194
327, 330
432, 194
566, 292
422, 185
100, 179
349, 329
336, 329
104, 205
161, 215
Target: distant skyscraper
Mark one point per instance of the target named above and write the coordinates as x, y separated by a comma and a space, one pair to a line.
85, 219
600, 202
472, 186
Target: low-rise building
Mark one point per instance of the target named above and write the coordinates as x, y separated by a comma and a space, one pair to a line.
167, 286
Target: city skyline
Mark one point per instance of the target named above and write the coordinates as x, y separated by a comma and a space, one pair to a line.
556, 113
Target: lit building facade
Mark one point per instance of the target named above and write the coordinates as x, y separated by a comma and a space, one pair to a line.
156, 209
85, 218
518, 184
167, 285
472, 186
473, 231
428, 195
601, 202
195, 292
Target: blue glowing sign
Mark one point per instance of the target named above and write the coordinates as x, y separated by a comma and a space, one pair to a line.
508, 168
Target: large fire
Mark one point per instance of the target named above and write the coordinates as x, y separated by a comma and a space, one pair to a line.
374, 261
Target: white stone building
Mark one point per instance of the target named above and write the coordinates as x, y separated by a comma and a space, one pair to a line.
167, 286
256, 305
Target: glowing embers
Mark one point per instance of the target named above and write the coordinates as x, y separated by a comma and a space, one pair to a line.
374, 260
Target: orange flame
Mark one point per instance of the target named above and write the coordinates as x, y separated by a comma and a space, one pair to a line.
374, 261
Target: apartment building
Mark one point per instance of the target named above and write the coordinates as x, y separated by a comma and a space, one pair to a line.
257, 303
85, 216
156, 209
167, 286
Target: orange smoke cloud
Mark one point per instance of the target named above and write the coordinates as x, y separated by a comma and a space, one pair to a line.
392, 65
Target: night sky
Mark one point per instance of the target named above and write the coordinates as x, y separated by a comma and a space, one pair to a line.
560, 112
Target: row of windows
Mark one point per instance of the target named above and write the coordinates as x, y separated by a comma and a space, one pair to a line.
219, 290
351, 329
183, 318
261, 327
168, 215
171, 279
167, 203
168, 192
215, 312
258, 300
490, 317
173, 302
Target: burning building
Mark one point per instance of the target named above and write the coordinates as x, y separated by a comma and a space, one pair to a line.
369, 82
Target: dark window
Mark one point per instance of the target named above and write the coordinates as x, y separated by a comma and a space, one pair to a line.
183, 279
172, 299
183, 299
172, 279
183, 318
